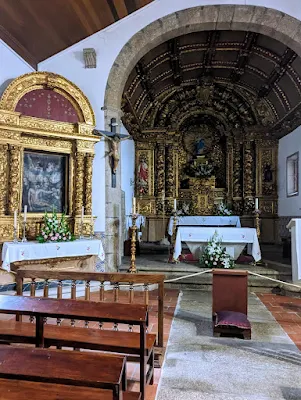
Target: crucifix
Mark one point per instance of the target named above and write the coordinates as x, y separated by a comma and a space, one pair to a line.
114, 138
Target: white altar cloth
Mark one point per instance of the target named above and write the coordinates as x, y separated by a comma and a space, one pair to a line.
32, 250
140, 221
210, 220
234, 239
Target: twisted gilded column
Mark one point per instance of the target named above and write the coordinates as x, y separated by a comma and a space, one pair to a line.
237, 165
79, 182
160, 170
88, 181
3, 177
14, 178
248, 178
170, 179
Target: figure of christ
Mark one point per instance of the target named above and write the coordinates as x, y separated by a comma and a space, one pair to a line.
114, 151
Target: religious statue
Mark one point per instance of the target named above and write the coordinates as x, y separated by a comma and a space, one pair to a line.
200, 144
142, 176
114, 151
268, 174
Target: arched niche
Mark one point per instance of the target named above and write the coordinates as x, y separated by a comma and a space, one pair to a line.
44, 138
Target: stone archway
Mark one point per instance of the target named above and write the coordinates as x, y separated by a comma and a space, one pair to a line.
267, 21
263, 20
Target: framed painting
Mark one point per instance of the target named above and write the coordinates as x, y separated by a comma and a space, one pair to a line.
45, 181
292, 175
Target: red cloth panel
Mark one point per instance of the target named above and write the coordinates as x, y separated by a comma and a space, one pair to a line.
47, 104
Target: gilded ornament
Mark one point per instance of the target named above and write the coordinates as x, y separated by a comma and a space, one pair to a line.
79, 182
88, 180
3, 177
14, 178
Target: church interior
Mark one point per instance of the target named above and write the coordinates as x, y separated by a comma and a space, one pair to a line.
150, 199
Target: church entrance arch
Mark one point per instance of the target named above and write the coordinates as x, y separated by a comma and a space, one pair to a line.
263, 21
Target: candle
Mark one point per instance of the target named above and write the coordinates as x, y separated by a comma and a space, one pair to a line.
83, 212
175, 204
25, 213
256, 204
134, 205
15, 219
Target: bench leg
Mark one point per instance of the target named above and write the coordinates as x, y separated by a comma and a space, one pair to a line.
151, 363
124, 380
142, 360
117, 393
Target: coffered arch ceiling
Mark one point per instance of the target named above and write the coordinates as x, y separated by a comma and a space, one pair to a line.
232, 79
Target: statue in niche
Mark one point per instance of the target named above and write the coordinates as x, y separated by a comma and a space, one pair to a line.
268, 173
200, 145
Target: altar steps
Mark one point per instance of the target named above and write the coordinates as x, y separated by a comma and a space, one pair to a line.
154, 263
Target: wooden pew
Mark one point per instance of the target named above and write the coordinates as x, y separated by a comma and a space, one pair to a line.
84, 369
12, 389
94, 339
117, 280
41, 308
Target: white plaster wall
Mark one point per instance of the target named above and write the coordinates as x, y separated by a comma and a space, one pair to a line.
11, 66
108, 43
127, 170
290, 144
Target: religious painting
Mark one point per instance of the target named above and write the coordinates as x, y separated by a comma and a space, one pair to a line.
45, 182
144, 174
292, 175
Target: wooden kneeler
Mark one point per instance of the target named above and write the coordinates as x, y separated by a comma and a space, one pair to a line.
230, 303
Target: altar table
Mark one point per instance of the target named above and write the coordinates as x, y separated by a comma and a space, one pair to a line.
32, 250
234, 239
210, 220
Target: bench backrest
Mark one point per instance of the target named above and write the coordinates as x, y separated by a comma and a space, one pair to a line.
123, 288
230, 290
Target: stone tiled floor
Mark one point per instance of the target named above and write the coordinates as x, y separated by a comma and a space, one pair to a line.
287, 312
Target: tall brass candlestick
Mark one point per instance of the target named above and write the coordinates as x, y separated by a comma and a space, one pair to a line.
133, 268
174, 235
257, 223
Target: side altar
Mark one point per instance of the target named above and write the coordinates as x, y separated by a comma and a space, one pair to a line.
46, 155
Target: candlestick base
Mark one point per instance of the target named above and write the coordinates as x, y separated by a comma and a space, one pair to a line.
15, 239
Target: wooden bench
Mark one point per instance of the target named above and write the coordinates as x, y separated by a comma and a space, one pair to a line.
123, 287
94, 339
64, 367
41, 308
12, 389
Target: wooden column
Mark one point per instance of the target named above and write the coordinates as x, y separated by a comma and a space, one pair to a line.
79, 182
248, 178
88, 181
3, 177
160, 170
170, 167
14, 178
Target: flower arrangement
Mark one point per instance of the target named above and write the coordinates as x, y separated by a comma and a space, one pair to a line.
200, 170
55, 230
222, 210
215, 256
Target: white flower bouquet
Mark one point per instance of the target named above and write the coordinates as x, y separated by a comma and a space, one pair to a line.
215, 256
222, 210
55, 230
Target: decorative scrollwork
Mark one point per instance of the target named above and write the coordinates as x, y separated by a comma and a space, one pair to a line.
14, 178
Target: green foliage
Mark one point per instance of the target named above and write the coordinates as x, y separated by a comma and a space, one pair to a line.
55, 230
215, 256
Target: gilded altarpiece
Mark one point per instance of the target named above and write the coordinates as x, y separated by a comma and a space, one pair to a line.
20, 133
246, 167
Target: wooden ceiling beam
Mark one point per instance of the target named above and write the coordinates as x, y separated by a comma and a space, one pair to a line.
18, 48
174, 54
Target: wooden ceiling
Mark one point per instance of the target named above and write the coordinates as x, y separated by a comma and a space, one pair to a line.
38, 29
238, 79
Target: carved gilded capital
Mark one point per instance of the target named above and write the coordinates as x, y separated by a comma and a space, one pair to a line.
85, 146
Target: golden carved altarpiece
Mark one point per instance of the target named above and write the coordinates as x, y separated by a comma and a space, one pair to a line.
19, 133
247, 157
